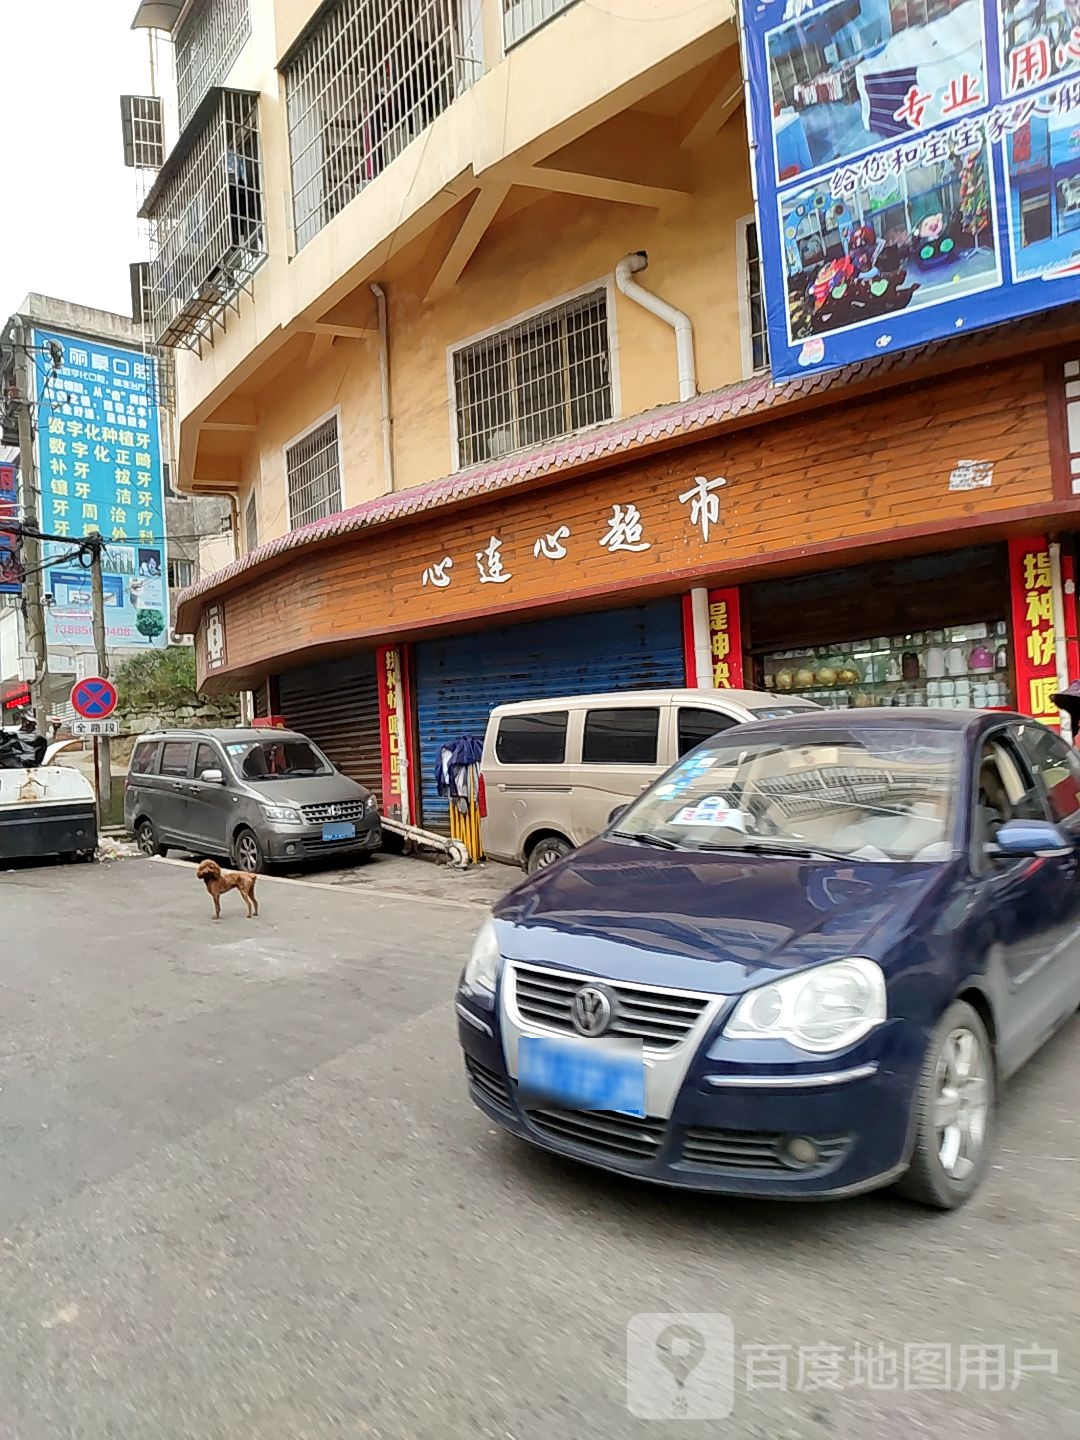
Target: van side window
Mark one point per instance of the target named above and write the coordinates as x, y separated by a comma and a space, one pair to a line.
175, 757
538, 739
620, 737
696, 726
207, 758
142, 761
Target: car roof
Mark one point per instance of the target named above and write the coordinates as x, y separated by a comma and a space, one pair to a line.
235, 734
890, 717
747, 699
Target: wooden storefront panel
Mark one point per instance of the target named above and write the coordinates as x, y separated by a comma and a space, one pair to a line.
857, 472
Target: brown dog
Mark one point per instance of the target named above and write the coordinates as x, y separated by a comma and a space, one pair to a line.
217, 881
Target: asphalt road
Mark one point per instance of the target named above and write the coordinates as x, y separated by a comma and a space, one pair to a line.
244, 1195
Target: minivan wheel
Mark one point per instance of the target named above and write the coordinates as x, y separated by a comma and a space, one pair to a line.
248, 852
147, 840
954, 1112
545, 852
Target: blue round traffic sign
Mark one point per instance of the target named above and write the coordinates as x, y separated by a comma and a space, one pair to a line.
94, 698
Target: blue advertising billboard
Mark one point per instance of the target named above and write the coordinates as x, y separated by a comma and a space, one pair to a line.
99, 462
917, 168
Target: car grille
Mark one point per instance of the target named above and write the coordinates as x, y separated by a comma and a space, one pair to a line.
486, 1083
706, 1149
603, 1131
660, 1018
342, 810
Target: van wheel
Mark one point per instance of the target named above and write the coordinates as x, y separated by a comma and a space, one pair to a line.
546, 852
147, 840
247, 852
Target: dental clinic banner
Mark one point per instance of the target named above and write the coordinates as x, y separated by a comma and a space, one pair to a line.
917, 165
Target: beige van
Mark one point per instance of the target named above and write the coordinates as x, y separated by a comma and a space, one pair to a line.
554, 770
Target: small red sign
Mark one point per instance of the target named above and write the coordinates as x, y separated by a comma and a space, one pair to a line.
725, 639
94, 698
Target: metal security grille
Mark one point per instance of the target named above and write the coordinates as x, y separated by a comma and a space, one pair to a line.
522, 17
206, 214
759, 334
313, 473
207, 45
144, 132
251, 523
181, 574
369, 78
548, 376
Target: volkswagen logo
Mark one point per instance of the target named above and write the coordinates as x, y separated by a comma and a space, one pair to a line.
592, 1010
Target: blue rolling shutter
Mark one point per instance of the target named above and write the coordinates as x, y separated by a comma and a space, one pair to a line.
462, 678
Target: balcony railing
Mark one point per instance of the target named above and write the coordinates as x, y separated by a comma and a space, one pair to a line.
522, 17
208, 40
363, 80
207, 220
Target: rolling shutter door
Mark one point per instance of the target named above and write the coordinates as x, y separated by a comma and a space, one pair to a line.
460, 679
336, 704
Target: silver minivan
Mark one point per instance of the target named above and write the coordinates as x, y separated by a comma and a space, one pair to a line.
555, 770
260, 796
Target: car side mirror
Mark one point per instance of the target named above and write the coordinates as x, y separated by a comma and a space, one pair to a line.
212, 777
1029, 839
617, 813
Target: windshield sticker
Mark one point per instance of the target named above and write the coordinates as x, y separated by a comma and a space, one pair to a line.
238, 749
713, 810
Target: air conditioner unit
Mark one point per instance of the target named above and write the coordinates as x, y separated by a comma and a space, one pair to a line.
175, 638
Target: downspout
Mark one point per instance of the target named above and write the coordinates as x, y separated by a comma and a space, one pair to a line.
1061, 640
631, 265
384, 382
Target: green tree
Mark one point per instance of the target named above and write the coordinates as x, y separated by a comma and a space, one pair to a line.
150, 623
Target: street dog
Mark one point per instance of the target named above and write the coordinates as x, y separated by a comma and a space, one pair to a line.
218, 881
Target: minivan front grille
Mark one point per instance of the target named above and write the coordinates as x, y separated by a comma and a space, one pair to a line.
660, 1018
342, 810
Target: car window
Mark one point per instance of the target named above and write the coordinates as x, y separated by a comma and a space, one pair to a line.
144, 758
207, 758
1002, 791
621, 737
538, 739
697, 725
1056, 766
175, 757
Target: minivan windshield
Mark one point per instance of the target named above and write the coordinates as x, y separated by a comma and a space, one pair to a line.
277, 759
847, 791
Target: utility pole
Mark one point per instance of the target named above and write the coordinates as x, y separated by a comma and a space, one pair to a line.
102, 743
33, 587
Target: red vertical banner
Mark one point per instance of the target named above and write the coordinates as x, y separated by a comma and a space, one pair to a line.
725, 639
10, 570
1034, 653
388, 669
689, 652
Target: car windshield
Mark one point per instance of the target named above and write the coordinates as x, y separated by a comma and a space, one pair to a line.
847, 791
277, 759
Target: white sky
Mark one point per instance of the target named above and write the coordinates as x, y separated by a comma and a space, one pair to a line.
70, 228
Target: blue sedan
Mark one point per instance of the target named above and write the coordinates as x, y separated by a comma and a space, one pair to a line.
800, 965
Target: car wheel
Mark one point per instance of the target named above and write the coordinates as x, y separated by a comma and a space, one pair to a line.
545, 852
147, 840
954, 1112
247, 853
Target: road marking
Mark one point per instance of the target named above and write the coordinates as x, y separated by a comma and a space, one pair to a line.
362, 889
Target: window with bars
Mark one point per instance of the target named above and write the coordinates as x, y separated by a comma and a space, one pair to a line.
251, 523
144, 132
544, 377
181, 574
207, 44
206, 218
755, 302
522, 17
370, 77
313, 475
142, 304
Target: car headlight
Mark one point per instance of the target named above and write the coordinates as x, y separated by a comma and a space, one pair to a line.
483, 964
825, 1009
283, 814
372, 804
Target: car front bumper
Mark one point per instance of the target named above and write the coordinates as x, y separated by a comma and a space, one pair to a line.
296, 842
730, 1137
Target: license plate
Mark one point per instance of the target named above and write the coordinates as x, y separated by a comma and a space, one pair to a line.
583, 1074
339, 830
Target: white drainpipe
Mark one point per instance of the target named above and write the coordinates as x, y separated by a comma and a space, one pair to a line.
1061, 649
384, 382
631, 265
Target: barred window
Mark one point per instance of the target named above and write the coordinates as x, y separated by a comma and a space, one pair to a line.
370, 77
545, 377
522, 17
207, 44
251, 523
142, 295
181, 574
144, 133
755, 298
313, 475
